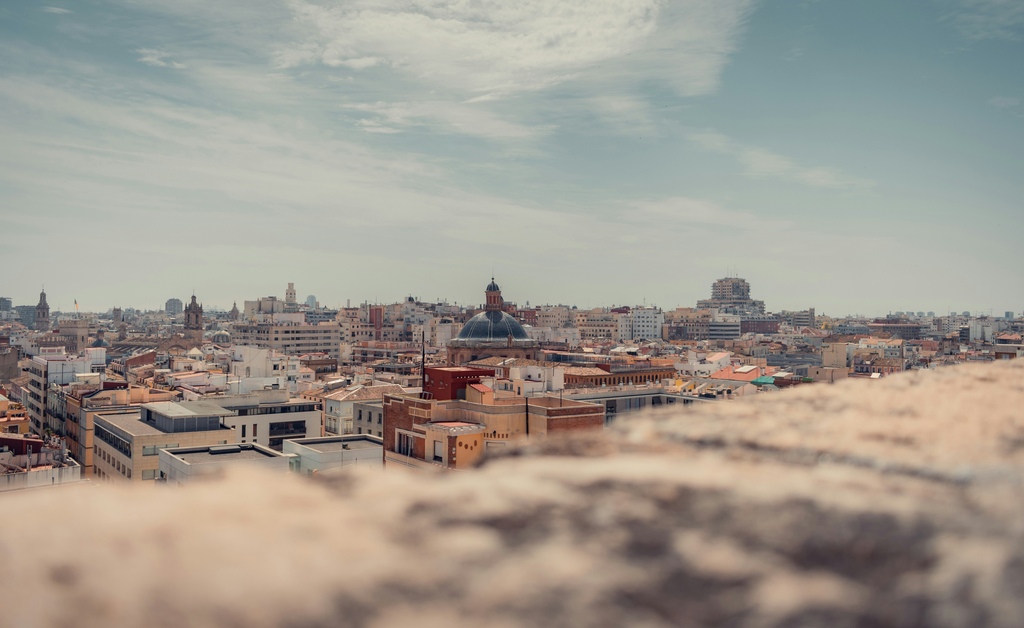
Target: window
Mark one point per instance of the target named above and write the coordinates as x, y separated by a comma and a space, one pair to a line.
149, 474
243, 431
380, 418
438, 451
254, 430
360, 431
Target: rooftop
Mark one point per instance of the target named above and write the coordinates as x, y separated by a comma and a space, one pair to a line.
130, 423
339, 443
176, 409
223, 453
365, 393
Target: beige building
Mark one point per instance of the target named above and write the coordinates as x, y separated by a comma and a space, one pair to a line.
431, 434
84, 402
291, 338
13, 417
127, 444
554, 316
602, 324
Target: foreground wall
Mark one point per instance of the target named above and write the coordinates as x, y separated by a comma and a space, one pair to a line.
897, 502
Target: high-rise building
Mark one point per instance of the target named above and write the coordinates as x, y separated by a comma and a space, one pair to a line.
289, 294
5, 304
26, 315
173, 307
731, 294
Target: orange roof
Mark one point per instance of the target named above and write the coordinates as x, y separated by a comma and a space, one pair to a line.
744, 375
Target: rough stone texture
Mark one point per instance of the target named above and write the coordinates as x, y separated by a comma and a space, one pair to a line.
891, 503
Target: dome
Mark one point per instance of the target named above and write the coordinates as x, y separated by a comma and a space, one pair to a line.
99, 343
492, 287
492, 327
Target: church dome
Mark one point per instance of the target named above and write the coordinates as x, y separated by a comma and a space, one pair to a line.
492, 287
492, 327
99, 343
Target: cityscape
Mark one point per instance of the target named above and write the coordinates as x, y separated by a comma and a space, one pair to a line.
463, 313
128, 395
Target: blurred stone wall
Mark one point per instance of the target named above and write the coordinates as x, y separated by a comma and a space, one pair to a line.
889, 503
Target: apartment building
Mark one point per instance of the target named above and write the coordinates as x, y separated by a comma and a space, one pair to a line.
269, 417
291, 338
53, 365
432, 434
127, 443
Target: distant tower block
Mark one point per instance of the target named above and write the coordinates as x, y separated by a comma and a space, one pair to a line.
731, 294
173, 307
289, 294
311, 302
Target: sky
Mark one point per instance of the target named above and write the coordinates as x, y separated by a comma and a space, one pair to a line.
856, 157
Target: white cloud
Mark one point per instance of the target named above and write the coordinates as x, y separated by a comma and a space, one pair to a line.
1004, 102
758, 162
372, 126
444, 117
57, 10
157, 58
472, 52
474, 47
990, 19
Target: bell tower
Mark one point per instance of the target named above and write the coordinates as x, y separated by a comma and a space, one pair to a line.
194, 321
42, 321
494, 300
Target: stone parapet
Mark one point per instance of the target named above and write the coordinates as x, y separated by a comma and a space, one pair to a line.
897, 502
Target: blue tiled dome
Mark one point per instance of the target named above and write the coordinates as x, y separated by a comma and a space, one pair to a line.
492, 327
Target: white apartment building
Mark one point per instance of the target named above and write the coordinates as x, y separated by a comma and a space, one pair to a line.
568, 335
184, 465
647, 323
317, 455
269, 417
52, 366
269, 366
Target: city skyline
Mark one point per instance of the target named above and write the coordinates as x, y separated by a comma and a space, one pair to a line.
852, 157
216, 304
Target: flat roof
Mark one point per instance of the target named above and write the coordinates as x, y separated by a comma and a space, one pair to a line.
177, 409
131, 423
222, 453
339, 443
